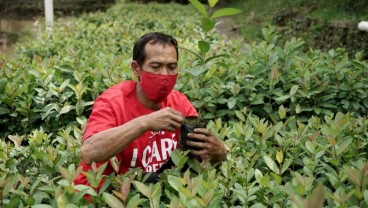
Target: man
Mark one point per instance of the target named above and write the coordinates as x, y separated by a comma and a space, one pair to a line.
138, 122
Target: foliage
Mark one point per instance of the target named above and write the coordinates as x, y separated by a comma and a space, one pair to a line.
61, 7
292, 121
287, 164
321, 24
267, 76
164, 1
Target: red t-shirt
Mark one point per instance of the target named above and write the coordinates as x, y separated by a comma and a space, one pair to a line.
118, 105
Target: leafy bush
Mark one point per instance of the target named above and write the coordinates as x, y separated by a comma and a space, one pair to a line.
292, 121
266, 77
61, 7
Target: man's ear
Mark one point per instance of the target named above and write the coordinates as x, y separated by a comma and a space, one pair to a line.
135, 68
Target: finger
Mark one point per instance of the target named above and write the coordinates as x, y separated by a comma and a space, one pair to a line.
171, 128
201, 137
201, 152
178, 118
175, 115
200, 145
175, 124
174, 112
202, 131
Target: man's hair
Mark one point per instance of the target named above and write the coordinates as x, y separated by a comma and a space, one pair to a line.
139, 54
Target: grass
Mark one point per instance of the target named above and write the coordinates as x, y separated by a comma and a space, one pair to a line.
255, 15
258, 14
330, 10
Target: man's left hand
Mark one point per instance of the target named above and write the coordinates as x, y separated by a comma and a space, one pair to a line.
211, 148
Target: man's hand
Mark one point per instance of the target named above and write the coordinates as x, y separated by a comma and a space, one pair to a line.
211, 148
164, 119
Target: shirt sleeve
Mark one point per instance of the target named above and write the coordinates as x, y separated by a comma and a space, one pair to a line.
188, 108
101, 118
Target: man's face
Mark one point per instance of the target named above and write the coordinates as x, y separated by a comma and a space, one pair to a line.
160, 59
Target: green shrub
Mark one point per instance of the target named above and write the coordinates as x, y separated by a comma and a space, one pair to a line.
265, 76
27, 8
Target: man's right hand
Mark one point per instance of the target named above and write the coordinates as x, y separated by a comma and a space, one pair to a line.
165, 119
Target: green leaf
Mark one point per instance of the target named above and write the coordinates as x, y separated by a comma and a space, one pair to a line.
106, 183
101, 169
240, 115
225, 12
271, 164
112, 201
203, 46
212, 3
282, 112
353, 174
286, 165
175, 157
207, 24
134, 201
215, 57
231, 102
276, 177
156, 192
86, 189
279, 156
365, 193
175, 182
282, 98
4, 111
258, 175
293, 90
186, 192
66, 109
342, 147
199, 6
42, 206
35, 184
63, 183
197, 73
145, 190
91, 177
258, 70
30, 200
317, 198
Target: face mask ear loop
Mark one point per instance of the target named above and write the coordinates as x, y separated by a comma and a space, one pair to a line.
139, 80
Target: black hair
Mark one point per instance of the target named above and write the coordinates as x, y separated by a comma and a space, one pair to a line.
139, 54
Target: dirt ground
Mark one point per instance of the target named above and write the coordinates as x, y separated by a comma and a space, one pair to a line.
227, 26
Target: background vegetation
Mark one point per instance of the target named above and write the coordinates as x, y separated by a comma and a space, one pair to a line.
29, 8
293, 118
322, 24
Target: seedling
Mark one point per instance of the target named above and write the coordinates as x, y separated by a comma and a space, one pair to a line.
189, 125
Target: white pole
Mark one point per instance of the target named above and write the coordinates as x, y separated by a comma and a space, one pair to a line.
49, 15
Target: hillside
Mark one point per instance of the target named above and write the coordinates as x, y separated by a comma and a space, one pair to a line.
322, 24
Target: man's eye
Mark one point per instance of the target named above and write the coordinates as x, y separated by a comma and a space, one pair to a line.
155, 67
172, 67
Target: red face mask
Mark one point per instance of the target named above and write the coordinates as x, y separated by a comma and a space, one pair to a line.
156, 86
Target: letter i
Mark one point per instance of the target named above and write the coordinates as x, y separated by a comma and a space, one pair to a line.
134, 157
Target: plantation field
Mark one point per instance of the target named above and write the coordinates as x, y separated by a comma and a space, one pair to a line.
293, 119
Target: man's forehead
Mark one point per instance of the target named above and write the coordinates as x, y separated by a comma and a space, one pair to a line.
158, 51
155, 43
